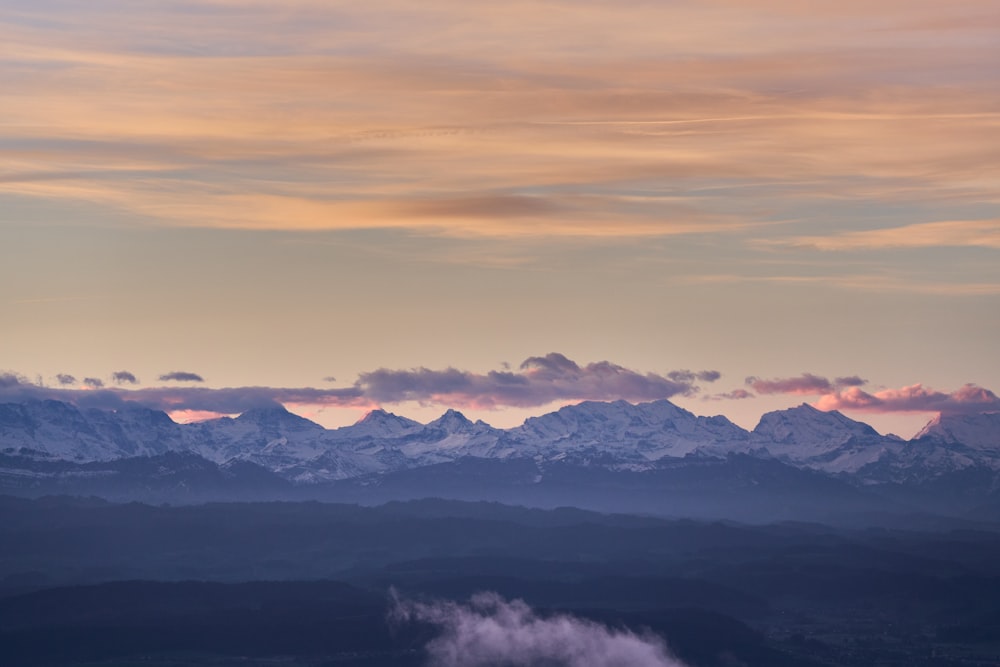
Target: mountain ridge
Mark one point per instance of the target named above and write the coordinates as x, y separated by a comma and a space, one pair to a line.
617, 436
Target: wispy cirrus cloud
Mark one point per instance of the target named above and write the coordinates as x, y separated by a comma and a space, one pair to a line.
853, 281
954, 233
194, 132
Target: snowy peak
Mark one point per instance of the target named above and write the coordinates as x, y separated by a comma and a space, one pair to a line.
451, 421
379, 423
644, 432
62, 430
979, 431
615, 435
827, 441
277, 418
805, 425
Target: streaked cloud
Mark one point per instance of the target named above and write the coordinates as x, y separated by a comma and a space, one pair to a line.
734, 395
805, 384
181, 376
929, 285
690, 376
376, 115
956, 233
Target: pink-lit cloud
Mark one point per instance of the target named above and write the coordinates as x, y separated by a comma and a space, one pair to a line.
969, 398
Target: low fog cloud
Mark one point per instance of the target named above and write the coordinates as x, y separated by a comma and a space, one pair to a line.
489, 631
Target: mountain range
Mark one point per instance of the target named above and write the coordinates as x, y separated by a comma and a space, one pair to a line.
583, 450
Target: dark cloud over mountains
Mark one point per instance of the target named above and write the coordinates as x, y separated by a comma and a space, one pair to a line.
536, 382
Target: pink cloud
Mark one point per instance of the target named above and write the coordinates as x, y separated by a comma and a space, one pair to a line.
913, 398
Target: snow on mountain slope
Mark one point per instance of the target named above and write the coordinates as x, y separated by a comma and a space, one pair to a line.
451, 436
833, 443
979, 432
60, 430
617, 436
827, 441
632, 433
380, 424
270, 437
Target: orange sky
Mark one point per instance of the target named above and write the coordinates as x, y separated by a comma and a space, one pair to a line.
269, 194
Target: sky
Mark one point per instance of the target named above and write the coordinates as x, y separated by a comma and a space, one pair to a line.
502, 207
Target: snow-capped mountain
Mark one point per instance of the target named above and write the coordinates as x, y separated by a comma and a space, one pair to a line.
980, 432
827, 441
60, 430
613, 436
451, 436
626, 433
